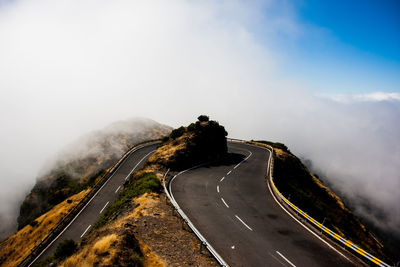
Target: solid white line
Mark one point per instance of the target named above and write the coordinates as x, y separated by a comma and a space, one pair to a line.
285, 259
117, 189
222, 179
218, 188
224, 202
191, 225
86, 231
40, 254
229, 173
251, 153
104, 207
126, 178
237, 166
329, 245
243, 222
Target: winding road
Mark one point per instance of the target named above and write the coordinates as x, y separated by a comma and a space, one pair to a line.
231, 205
106, 195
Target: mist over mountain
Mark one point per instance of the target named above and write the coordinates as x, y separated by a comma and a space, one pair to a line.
72, 67
79, 165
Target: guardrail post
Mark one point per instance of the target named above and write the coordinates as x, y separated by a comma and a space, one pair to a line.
322, 224
202, 244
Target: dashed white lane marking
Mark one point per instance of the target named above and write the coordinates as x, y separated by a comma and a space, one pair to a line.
104, 207
222, 179
237, 217
288, 261
218, 188
86, 230
117, 189
224, 202
229, 173
233, 247
273, 256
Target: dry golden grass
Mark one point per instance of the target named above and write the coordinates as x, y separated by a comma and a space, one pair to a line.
108, 246
103, 245
144, 204
18, 246
168, 150
103, 250
149, 258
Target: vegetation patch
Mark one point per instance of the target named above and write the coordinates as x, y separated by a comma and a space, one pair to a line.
202, 141
146, 182
16, 247
48, 193
309, 193
65, 249
275, 145
82, 164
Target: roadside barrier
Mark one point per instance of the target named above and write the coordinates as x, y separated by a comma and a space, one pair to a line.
319, 225
55, 232
203, 241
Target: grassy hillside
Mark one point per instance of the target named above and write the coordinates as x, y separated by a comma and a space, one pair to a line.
202, 141
17, 247
309, 193
141, 212
84, 161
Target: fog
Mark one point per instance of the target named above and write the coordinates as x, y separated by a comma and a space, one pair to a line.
69, 67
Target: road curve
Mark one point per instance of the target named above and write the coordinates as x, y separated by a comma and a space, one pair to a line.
231, 205
104, 197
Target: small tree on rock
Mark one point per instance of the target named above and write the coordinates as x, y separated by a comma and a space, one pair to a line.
203, 118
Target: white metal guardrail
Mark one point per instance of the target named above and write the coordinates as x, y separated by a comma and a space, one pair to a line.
188, 222
37, 251
319, 225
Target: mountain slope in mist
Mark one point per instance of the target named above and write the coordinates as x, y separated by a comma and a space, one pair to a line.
83, 162
310, 194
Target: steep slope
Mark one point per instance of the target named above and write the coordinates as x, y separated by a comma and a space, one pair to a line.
162, 238
82, 162
16, 247
309, 193
200, 142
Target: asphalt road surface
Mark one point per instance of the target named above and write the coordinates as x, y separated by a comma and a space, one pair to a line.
231, 205
104, 197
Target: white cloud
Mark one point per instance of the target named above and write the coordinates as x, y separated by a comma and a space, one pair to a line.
367, 97
67, 67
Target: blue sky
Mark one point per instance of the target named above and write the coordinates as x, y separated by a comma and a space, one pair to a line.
255, 66
342, 46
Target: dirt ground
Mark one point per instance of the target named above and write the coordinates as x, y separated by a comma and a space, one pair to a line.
161, 230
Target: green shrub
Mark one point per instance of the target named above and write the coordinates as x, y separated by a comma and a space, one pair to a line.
92, 179
177, 132
203, 118
33, 223
165, 139
65, 249
147, 182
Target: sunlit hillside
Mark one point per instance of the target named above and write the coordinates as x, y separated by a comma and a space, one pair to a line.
83, 162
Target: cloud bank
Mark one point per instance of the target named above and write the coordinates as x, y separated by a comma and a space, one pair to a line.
68, 67
368, 97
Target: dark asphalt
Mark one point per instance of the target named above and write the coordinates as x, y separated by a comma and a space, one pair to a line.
253, 230
108, 193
